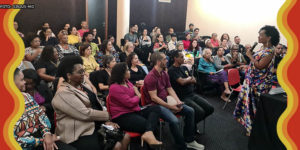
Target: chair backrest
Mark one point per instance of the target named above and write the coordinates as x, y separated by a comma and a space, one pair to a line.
233, 76
143, 103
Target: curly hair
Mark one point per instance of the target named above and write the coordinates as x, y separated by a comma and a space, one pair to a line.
47, 54
104, 46
67, 65
118, 73
272, 32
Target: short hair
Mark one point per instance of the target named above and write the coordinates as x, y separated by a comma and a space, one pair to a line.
106, 60
273, 33
129, 58
47, 54
67, 66
29, 38
234, 47
196, 29
16, 72
191, 24
236, 37
179, 43
205, 50
31, 74
156, 56
83, 47
118, 73
85, 34
176, 53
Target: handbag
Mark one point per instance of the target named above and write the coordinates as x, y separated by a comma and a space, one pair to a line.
110, 136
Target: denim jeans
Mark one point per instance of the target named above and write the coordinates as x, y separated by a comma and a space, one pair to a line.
189, 128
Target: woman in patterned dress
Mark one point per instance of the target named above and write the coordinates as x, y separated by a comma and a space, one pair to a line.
258, 76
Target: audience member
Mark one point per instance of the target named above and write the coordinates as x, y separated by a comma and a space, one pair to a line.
225, 36
32, 130
89, 62
224, 45
65, 49
172, 43
156, 31
74, 37
206, 65
88, 39
114, 44
196, 35
179, 46
25, 65
74, 102
183, 83
100, 78
128, 49
96, 37
235, 58
220, 61
106, 49
46, 39
169, 36
195, 49
84, 28
214, 40
33, 52
47, 65
145, 40
125, 110
45, 26
187, 41
190, 30
158, 90
16, 26
40, 93
67, 27
237, 41
284, 50
132, 37
137, 73
160, 45
278, 57
258, 78
247, 47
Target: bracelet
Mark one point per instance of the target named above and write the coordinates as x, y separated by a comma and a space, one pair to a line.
46, 134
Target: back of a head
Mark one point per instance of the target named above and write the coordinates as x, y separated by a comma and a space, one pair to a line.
156, 56
31, 74
67, 65
118, 73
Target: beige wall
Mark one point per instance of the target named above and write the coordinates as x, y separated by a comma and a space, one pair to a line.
236, 17
123, 15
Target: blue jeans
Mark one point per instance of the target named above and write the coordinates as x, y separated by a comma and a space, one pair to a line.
189, 128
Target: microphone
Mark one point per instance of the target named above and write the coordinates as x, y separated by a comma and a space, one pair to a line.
254, 45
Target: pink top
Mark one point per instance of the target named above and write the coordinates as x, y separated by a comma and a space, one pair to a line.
82, 31
122, 100
214, 43
186, 44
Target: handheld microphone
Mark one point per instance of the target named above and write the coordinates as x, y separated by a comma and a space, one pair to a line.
254, 45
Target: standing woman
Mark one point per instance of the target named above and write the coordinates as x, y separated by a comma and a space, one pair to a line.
258, 76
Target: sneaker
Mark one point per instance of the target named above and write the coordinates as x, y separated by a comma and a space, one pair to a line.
195, 145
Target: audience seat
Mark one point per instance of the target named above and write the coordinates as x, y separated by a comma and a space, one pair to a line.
233, 80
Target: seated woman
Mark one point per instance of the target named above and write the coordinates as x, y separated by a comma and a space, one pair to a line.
179, 46
206, 65
74, 37
63, 48
235, 58
106, 49
194, 48
33, 52
220, 61
100, 78
89, 62
40, 92
224, 45
187, 41
115, 47
128, 49
47, 65
125, 110
32, 130
46, 39
160, 45
74, 104
137, 73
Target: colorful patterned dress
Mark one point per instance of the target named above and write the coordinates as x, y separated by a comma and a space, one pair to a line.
31, 122
256, 82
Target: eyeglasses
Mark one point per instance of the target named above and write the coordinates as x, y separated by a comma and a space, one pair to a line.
80, 72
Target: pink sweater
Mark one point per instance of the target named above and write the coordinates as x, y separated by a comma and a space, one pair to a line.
122, 100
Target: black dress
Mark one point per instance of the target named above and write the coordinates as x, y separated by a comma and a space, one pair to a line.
136, 76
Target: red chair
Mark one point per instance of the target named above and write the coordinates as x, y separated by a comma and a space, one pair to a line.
131, 134
233, 79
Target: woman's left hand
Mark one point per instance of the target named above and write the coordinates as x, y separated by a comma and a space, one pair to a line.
116, 126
